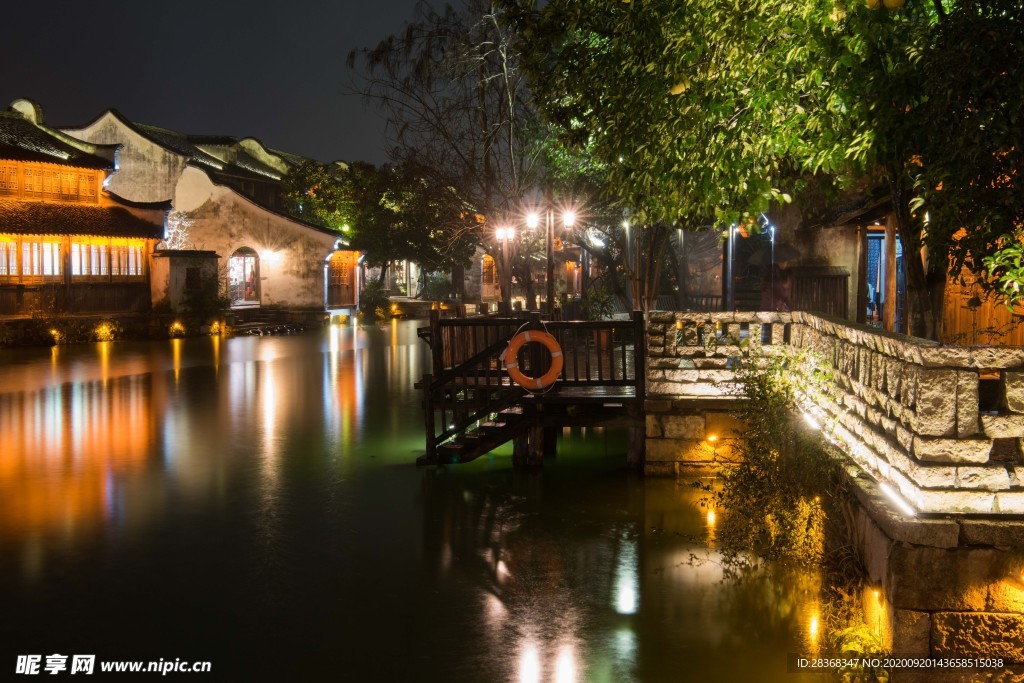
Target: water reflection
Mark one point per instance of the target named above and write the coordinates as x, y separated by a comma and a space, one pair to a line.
267, 484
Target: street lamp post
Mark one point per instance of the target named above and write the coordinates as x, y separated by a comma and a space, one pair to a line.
505, 235
532, 221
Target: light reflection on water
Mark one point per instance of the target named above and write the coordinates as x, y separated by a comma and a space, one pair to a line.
255, 496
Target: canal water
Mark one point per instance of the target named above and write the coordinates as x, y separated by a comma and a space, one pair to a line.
253, 502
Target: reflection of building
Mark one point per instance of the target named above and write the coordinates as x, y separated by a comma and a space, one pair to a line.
66, 243
226, 196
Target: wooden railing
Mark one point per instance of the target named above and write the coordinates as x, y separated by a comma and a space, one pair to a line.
468, 382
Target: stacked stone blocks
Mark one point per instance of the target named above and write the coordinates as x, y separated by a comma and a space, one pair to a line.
906, 409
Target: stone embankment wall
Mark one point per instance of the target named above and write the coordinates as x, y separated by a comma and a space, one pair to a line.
906, 410
943, 425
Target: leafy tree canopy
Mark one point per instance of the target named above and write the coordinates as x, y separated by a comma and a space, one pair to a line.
711, 108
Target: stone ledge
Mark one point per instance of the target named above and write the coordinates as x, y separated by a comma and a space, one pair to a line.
992, 532
658, 405
936, 533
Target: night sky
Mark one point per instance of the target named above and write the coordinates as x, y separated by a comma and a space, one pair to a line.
270, 69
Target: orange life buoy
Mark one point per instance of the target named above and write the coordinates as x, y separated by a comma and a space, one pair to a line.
511, 364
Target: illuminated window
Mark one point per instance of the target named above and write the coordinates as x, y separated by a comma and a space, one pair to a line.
8, 179
99, 257
8, 259
53, 183
40, 259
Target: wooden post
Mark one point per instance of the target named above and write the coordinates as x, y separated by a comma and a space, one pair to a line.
550, 442
889, 310
862, 274
436, 342
640, 356
536, 355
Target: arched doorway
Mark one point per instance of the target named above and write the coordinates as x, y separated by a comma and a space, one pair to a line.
342, 283
244, 277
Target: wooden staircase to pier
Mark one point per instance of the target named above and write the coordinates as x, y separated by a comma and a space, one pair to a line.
471, 407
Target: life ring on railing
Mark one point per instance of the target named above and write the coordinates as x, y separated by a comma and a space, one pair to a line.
510, 362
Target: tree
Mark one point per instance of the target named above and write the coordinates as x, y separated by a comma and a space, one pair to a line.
317, 194
458, 107
399, 214
936, 91
709, 109
696, 111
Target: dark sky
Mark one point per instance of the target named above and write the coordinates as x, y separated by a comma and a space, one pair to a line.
271, 69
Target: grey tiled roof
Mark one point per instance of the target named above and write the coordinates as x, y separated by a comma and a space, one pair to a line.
250, 163
58, 218
22, 140
179, 142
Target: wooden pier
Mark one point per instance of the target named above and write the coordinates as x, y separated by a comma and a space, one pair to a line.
471, 406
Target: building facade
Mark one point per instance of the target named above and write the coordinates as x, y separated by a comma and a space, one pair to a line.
226, 198
67, 244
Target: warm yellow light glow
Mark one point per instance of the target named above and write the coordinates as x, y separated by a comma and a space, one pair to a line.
272, 257
569, 218
55, 333
711, 517
104, 332
216, 328
176, 328
712, 438
532, 221
813, 627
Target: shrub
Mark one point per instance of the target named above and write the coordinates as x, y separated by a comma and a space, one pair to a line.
373, 302
785, 497
438, 287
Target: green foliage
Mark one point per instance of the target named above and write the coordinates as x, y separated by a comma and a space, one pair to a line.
438, 287
702, 110
598, 303
373, 302
317, 194
785, 499
1005, 267
698, 109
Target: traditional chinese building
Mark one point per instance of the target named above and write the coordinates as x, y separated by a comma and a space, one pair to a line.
226, 198
68, 244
